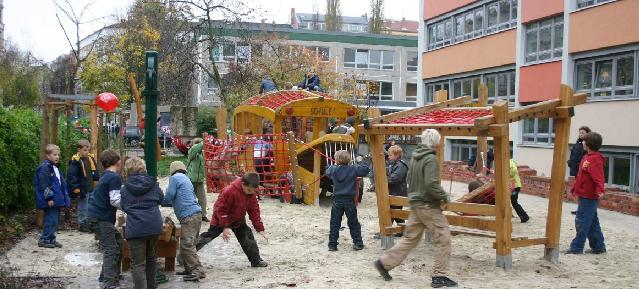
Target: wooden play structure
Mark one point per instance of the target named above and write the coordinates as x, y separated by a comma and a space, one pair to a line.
464, 117
292, 124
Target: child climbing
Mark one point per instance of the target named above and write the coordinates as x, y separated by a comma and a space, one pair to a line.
514, 195
344, 177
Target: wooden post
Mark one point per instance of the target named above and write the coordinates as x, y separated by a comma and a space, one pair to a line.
482, 141
121, 139
381, 183
67, 131
44, 135
220, 121
55, 126
94, 131
557, 178
292, 157
441, 96
138, 100
502, 186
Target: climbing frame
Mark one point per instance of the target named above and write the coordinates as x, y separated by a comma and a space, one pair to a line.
464, 117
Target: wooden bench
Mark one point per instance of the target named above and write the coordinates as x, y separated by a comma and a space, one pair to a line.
167, 246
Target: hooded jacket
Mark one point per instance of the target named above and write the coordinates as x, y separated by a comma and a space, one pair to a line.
180, 195
424, 187
590, 178
345, 178
195, 167
141, 197
396, 172
232, 205
80, 178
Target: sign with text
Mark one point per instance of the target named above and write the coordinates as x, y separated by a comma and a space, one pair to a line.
322, 111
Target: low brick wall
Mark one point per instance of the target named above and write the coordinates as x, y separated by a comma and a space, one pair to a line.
614, 199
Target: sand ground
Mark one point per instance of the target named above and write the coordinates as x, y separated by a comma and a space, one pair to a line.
298, 257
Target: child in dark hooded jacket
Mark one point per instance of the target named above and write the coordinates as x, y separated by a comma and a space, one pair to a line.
141, 197
344, 177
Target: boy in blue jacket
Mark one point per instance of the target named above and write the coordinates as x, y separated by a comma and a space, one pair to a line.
103, 204
344, 177
82, 177
51, 195
179, 194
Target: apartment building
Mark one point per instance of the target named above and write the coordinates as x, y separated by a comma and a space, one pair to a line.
389, 61
317, 21
523, 50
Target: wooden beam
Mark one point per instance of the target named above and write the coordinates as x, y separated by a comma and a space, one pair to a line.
393, 230
292, 157
220, 122
381, 184
472, 222
94, 131
502, 188
471, 232
483, 95
400, 214
44, 134
441, 96
398, 201
541, 109
421, 110
525, 242
557, 178
470, 208
138, 100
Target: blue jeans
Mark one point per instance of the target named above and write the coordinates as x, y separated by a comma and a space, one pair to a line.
50, 226
340, 207
82, 208
587, 224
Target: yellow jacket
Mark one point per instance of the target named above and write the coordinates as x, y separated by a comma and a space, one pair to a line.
514, 174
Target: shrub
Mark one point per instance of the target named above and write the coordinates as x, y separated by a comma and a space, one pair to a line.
206, 120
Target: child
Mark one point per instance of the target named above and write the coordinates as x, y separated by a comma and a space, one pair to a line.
196, 173
141, 197
51, 195
589, 187
82, 177
344, 177
103, 204
516, 181
396, 172
180, 195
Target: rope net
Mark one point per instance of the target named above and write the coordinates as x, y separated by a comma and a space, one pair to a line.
446, 116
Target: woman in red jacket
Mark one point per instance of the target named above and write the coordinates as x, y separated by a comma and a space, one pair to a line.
229, 211
589, 188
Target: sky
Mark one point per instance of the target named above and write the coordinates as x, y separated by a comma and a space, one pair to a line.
33, 26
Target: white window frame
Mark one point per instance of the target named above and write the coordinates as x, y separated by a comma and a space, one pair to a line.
613, 88
581, 4
409, 55
412, 98
458, 145
528, 138
446, 26
610, 158
449, 85
367, 64
535, 28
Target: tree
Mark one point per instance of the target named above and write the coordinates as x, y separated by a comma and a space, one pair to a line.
333, 17
19, 79
376, 22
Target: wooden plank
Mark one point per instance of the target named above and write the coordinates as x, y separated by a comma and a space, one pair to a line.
483, 95
393, 230
472, 222
524, 242
292, 157
470, 208
471, 195
400, 214
558, 174
502, 185
398, 201
421, 110
381, 183
471, 232
317, 172
138, 100
441, 96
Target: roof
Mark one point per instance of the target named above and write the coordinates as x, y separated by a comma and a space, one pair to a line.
446, 116
307, 17
401, 25
275, 100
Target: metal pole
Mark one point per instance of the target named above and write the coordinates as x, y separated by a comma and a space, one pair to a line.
150, 115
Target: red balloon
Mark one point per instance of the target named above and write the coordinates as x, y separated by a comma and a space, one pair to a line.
107, 101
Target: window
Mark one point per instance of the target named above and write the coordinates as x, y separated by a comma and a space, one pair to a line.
411, 92
607, 77
376, 89
538, 131
431, 88
243, 51
544, 39
234, 51
462, 149
386, 90
586, 3
469, 24
501, 86
466, 86
212, 86
618, 169
323, 53
411, 61
369, 59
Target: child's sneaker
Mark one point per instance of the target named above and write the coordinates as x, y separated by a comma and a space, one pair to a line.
45, 244
382, 271
57, 244
261, 263
442, 281
358, 247
332, 248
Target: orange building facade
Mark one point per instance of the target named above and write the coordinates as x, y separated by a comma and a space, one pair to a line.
523, 50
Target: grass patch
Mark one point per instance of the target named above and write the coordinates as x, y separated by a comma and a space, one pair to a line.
165, 163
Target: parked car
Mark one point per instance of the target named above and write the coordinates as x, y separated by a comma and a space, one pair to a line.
132, 135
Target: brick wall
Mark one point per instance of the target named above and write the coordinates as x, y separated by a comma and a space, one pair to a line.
614, 199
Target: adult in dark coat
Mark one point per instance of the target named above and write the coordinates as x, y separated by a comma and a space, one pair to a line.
577, 151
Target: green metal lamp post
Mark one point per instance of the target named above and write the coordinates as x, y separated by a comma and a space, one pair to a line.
151, 94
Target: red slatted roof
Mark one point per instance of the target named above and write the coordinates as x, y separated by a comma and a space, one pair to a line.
446, 116
277, 99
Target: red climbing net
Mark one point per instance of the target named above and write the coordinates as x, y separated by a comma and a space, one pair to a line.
264, 154
277, 99
446, 116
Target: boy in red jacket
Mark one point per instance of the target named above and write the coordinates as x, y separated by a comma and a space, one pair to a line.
589, 188
229, 211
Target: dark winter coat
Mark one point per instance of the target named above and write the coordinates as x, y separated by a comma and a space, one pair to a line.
310, 83
233, 204
424, 186
396, 172
576, 153
141, 198
80, 178
345, 179
100, 207
48, 187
